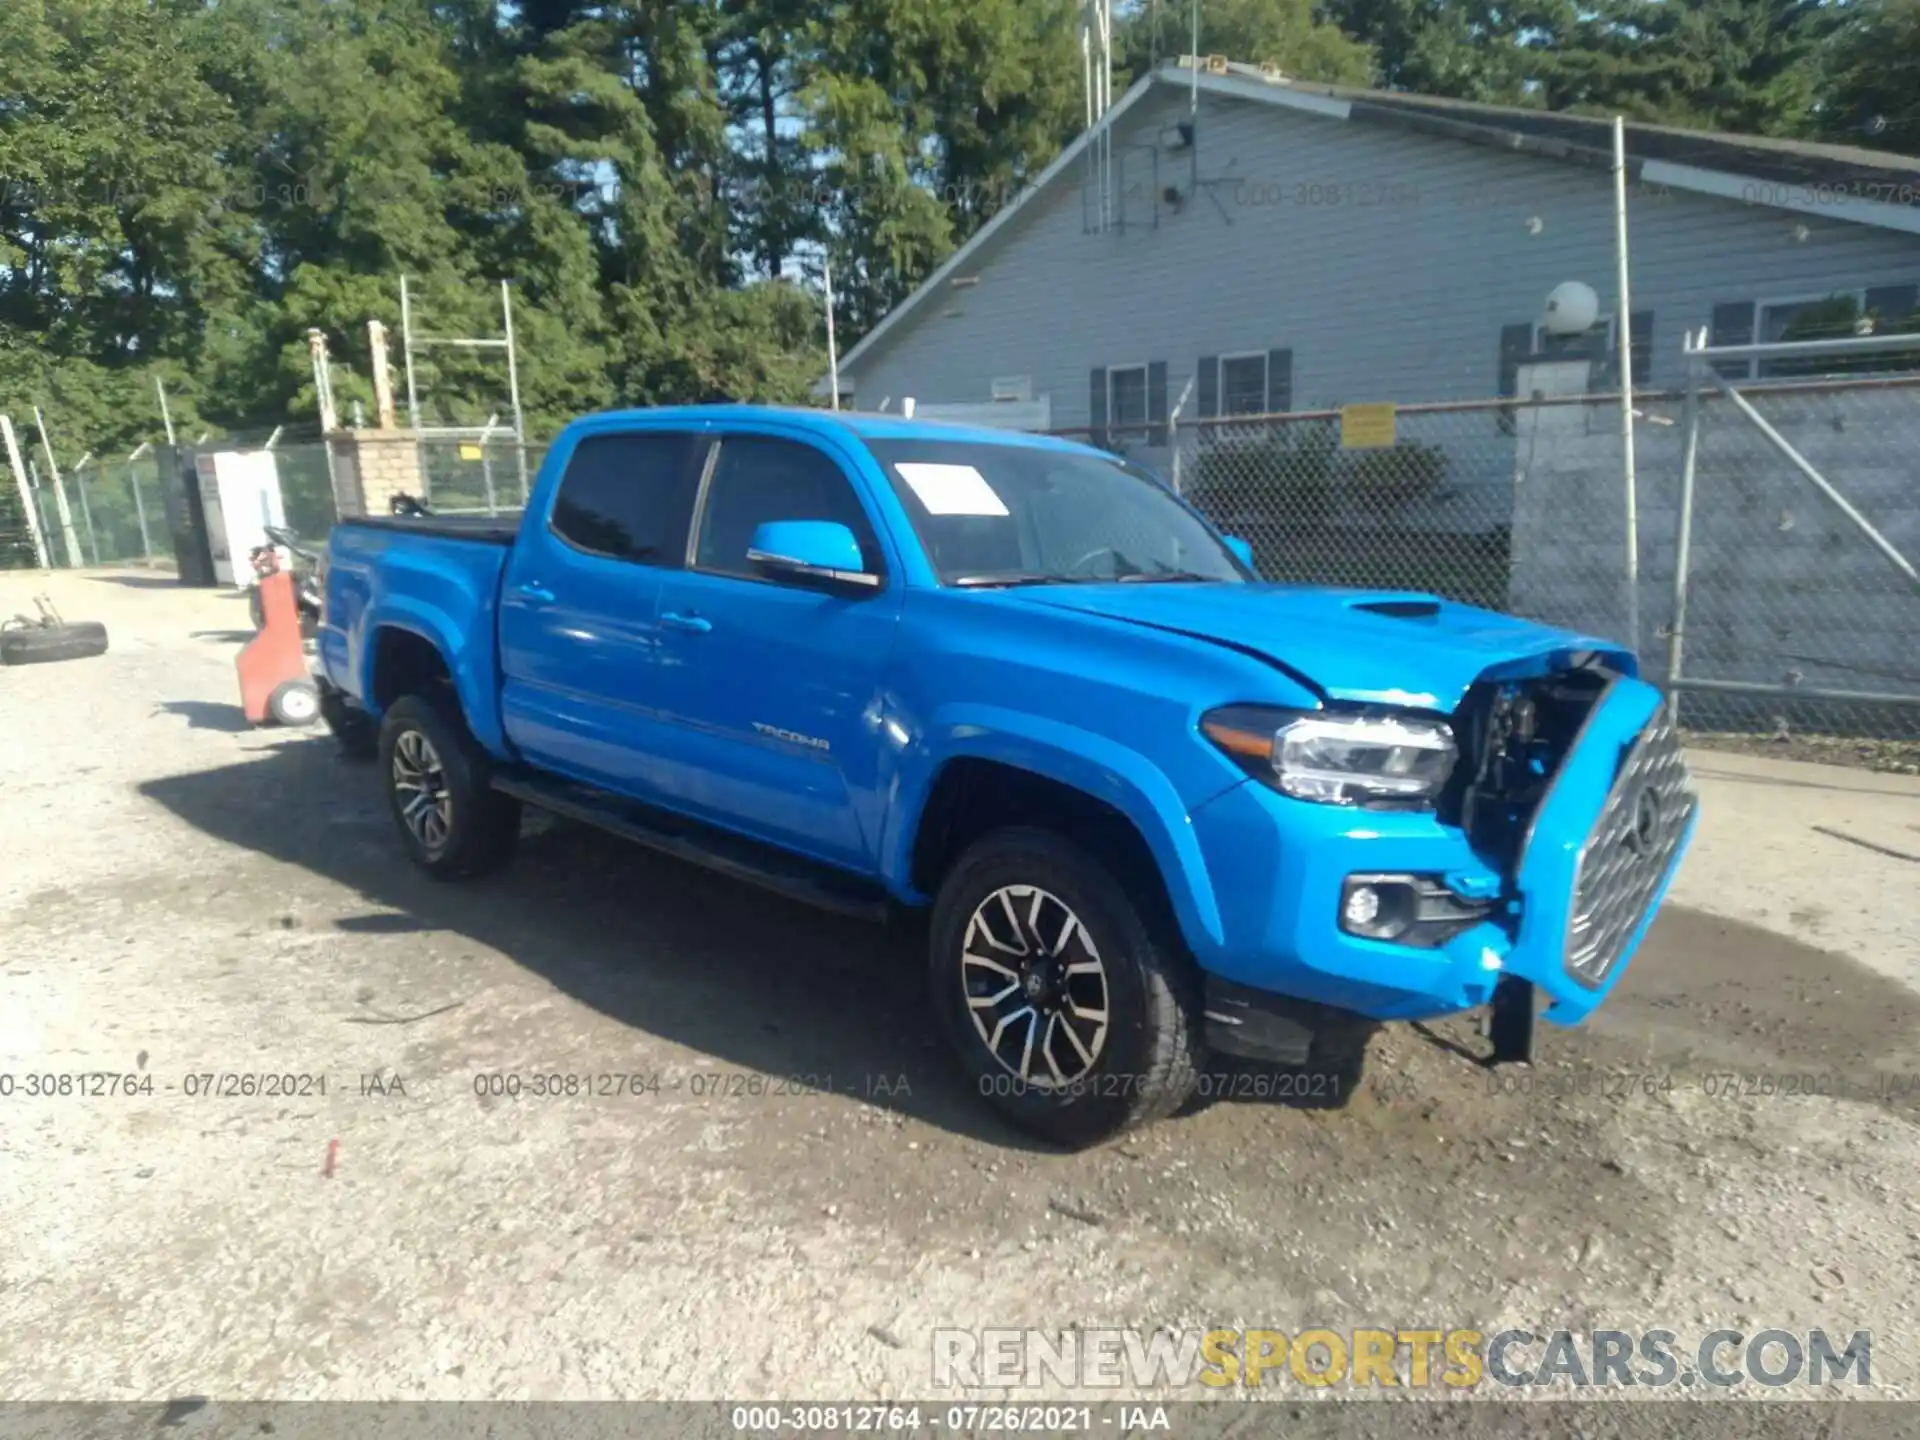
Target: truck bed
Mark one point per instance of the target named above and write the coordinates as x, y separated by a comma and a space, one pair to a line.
490, 529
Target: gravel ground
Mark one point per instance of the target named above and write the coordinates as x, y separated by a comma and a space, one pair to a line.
182, 896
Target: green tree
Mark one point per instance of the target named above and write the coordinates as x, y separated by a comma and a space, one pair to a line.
1292, 35
1872, 91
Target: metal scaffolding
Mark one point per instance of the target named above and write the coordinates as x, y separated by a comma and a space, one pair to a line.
411, 341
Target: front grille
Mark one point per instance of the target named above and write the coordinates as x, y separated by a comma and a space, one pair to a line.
1629, 850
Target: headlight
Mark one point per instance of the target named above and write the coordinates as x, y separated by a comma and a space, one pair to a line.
1335, 759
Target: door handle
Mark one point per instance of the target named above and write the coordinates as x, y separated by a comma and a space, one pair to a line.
695, 624
534, 591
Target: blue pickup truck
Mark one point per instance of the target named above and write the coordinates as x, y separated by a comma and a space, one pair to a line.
1150, 807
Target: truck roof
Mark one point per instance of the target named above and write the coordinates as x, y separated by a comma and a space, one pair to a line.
863, 424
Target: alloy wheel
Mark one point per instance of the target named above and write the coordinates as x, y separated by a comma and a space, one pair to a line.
1035, 986
420, 781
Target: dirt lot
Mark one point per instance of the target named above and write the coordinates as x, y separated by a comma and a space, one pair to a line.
796, 1191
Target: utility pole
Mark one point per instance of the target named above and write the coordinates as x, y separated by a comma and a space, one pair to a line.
833, 352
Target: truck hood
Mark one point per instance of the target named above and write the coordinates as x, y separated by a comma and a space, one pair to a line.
1386, 647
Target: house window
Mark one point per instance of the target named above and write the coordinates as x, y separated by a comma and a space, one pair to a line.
1127, 397
1834, 315
1243, 384
1251, 383
1127, 405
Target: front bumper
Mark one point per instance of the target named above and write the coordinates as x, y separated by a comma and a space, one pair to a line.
1572, 912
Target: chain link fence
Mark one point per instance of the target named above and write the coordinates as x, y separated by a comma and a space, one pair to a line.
1777, 527
1797, 598
478, 477
103, 513
1429, 510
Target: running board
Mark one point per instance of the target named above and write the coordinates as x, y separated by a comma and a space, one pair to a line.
741, 859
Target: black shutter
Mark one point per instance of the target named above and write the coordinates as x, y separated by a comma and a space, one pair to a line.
1516, 345
1886, 303
1641, 343
1732, 325
1279, 381
1208, 384
1097, 409
1157, 402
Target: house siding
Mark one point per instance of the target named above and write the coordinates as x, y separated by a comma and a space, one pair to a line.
1400, 299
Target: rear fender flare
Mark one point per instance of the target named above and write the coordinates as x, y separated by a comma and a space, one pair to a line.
471, 687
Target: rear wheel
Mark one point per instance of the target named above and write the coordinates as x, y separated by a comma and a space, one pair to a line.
452, 823
1067, 1011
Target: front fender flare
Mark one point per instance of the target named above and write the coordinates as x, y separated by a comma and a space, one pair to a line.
1090, 763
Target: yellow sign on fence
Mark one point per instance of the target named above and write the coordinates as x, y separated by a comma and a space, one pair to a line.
1366, 427
471, 452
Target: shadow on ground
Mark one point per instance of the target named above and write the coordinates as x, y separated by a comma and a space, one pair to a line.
765, 984
140, 582
758, 982
207, 715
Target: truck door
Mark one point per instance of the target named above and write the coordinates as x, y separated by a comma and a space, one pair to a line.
773, 688
579, 644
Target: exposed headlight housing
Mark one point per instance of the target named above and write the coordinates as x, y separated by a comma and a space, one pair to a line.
1379, 761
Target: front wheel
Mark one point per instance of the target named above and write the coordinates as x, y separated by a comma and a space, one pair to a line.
1067, 1011
453, 824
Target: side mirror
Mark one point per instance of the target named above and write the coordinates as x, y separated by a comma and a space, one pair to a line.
821, 553
1241, 549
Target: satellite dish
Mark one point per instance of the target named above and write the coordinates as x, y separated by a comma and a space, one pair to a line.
1571, 309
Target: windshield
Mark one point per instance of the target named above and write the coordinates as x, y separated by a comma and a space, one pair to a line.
990, 514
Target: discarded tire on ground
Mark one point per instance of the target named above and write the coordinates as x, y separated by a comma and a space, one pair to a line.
43, 644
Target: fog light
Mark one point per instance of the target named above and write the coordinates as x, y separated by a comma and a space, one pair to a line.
1407, 909
1363, 905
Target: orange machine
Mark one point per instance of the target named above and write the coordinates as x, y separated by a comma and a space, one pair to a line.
274, 682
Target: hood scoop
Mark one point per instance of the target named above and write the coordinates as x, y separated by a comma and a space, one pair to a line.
1401, 609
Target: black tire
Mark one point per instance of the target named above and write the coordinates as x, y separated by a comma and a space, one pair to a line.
352, 727
294, 703
1147, 1061
478, 825
256, 608
44, 644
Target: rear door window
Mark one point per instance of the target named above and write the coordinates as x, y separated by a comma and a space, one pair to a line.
630, 496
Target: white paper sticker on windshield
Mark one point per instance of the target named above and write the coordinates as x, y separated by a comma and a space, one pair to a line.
951, 489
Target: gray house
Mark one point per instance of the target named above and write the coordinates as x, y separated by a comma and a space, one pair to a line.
1228, 241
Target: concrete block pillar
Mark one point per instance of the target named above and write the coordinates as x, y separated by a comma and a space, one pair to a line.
373, 466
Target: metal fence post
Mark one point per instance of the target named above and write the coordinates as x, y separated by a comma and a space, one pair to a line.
74, 560
139, 504
86, 510
1683, 534
1623, 337
29, 512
